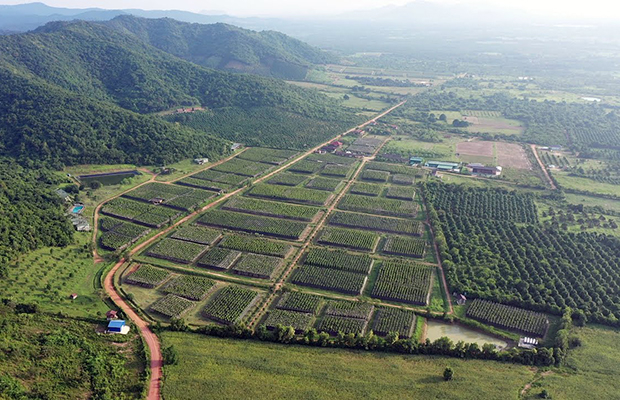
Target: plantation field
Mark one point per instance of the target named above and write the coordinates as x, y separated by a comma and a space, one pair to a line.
388, 319
508, 317
267, 156
367, 189
251, 244
291, 194
176, 250
300, 302
196, 234
381, 206
230, 304
241, 167
253, 224
218, 258
271, 208
334, 325
329, 279
147, 276
204, 184
172, 306
348, 238
403, 282
287, 179
222, 366
338, 259
300, 321
375, 223
257, 266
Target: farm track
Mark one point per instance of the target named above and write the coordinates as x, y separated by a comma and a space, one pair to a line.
542, 166
154, 390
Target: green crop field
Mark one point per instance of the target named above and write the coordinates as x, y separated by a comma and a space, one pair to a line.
222, 366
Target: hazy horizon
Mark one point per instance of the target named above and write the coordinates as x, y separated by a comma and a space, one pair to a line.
573, 9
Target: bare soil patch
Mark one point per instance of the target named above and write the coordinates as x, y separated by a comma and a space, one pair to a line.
512, 155
475, 148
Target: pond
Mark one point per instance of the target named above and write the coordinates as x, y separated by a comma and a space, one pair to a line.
456, 332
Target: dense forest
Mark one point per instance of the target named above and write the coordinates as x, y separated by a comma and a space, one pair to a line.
31, 214
225, 46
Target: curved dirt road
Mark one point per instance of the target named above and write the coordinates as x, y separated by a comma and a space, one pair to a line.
150, 338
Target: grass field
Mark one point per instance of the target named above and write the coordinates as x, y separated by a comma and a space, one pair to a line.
272, 371
578, 183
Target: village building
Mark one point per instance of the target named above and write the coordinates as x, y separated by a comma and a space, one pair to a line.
118, 326
201, 161
415, 160
112, 314
480, 169
443, 166
73, 296
235, 146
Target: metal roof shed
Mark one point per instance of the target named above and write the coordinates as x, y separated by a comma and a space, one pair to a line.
116, 326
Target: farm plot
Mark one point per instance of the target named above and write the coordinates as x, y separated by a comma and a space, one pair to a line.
189, 286
124, 208
476, 148
147, 276
267, 156
249, 244
157, 190
220, 177
366, 189
156, 217
375, 176
400, 192
257, 266
271, 208
329, 279
114, 241
334, 325
241, 167
172, 306
176, 250
196, 234
320, 183
287, 179
404, 246
350, 309
329, 158
218, 258
108, 224
403, 282
203, 184
401, 179
348, 238
301, 322
365, 146
512, 155
508, 317
306, 166
338, 259
375, 223
382, 206
393, 168
389, 319
254, 224
291, 194
230, 304
300, 302
189, 202
121, 234
341, 171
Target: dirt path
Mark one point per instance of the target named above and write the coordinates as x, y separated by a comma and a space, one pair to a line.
528, 386
542, 166
150, 338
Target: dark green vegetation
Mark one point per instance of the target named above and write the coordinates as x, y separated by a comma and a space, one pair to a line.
348, 238
44, 357
255, 245
227, 47
148, 276
254, 224
338, 259
538, 268
388, 319
300, 302
88, 80
331, 279
257, 266
271, 208
403, 282
31, 214
301, 322
172, 306
230, 304
381, 205
375, 223
189, 286
509, 317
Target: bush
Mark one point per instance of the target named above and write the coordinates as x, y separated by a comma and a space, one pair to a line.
448, 373
170, 355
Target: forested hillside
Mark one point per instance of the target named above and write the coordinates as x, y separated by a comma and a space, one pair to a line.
31, 214
225, 46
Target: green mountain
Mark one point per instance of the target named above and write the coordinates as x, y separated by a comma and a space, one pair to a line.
72, 93
227, 47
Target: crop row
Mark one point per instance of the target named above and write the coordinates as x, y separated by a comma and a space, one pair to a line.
292, 194
350, 309
255, 245
390, 319
257, 266
271, 208
393, 168
306, 167
267, 156
376, 223
157, 190
218, 258
300, 302
404, 282
400, 192
402, 179
335, 325
338, 259
242, 167
301, 322
287, 179
196, 234
120, 234
404, 246
340, 171
221, 177
254, 224
148, 276
204, 184
348, 238
508, 317
172, 306
230, 304
189, 286
366, 189
330, 279
327, 184
329, 158
382, 206
176, 250
375, 176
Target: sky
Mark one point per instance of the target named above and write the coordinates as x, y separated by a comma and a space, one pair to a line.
557, 8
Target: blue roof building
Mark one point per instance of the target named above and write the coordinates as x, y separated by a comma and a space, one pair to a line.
116, 326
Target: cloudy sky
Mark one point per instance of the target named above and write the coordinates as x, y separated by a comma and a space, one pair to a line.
568, 8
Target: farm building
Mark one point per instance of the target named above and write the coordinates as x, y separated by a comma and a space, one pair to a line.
235, 146
555, 148
112, 314
484, 170
443, 165
461, 299
415, 160
118, 326
201, 161
528, 343
73, 296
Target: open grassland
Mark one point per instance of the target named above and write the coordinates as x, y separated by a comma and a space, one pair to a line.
271, 371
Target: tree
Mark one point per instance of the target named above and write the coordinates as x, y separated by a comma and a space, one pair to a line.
443, 118
346, 97
95, 185
448, 374
170, 355
544, 394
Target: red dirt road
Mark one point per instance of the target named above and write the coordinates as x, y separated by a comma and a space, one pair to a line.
150, 338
